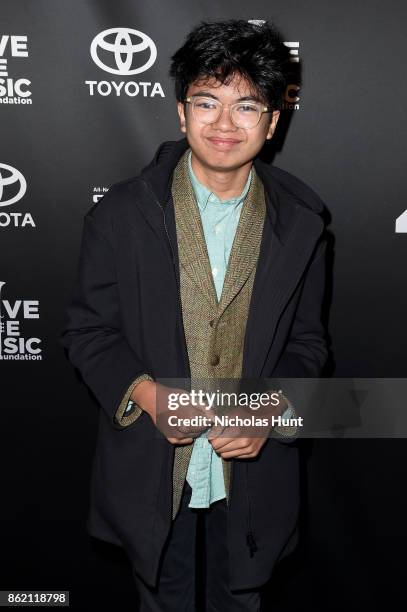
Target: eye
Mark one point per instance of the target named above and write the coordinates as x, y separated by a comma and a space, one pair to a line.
205, 103
247, 108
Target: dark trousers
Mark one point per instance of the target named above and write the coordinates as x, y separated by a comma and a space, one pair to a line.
176, 591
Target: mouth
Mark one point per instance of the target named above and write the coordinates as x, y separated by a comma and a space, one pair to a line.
223, 143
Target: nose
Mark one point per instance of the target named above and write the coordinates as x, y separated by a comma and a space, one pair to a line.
225, 122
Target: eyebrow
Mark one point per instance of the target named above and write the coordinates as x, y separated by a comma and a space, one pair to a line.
243, 99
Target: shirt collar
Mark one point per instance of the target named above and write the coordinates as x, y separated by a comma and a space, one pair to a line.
204, 195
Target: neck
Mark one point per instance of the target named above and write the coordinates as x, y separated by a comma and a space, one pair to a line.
225, 184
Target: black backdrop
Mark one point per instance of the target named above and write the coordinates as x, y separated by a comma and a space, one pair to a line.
346, 138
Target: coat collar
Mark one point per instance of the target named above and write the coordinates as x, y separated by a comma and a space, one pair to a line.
286, 196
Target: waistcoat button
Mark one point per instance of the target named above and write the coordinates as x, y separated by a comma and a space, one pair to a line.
215, 360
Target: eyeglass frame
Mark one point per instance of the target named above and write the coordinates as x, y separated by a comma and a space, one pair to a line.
265, 109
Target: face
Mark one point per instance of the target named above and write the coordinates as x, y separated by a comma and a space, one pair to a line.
222, 145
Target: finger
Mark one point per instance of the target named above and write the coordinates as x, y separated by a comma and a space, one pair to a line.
237, 454
193, 430
197, 429
228, 432
218, 443
229, 444
190, 430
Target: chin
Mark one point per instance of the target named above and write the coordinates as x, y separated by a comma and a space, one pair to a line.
224, 159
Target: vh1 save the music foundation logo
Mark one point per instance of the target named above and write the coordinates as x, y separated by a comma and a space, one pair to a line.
13, 90
14, 315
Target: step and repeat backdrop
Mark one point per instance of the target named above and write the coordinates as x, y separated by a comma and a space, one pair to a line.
85, 100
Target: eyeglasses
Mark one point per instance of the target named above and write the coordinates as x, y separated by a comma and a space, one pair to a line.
242, 114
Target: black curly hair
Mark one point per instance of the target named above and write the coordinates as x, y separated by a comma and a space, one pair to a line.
224, 49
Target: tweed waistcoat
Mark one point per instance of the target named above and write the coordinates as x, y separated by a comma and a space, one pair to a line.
214, 330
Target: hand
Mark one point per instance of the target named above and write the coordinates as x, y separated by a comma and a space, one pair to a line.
232, 441
153, 398
239, 448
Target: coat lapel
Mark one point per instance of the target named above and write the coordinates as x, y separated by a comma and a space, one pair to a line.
243, 255
192, 250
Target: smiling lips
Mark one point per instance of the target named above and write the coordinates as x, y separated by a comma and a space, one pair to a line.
224, 143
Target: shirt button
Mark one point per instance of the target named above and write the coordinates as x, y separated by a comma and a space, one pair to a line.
217, 229
214, 271
215, 360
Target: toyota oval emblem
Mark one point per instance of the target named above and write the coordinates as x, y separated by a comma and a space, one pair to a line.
10, 176
124, 44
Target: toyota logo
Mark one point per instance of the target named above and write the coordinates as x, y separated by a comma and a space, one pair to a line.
11, 176
123, 46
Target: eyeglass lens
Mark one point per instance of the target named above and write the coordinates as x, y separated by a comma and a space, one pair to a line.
243, 114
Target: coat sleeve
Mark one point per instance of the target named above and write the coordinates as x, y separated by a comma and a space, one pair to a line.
287, 432
128, 411
93, 336
306, 351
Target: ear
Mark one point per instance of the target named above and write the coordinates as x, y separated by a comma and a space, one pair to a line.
181, 114
273, 124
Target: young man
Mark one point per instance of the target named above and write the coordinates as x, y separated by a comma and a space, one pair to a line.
208, 265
